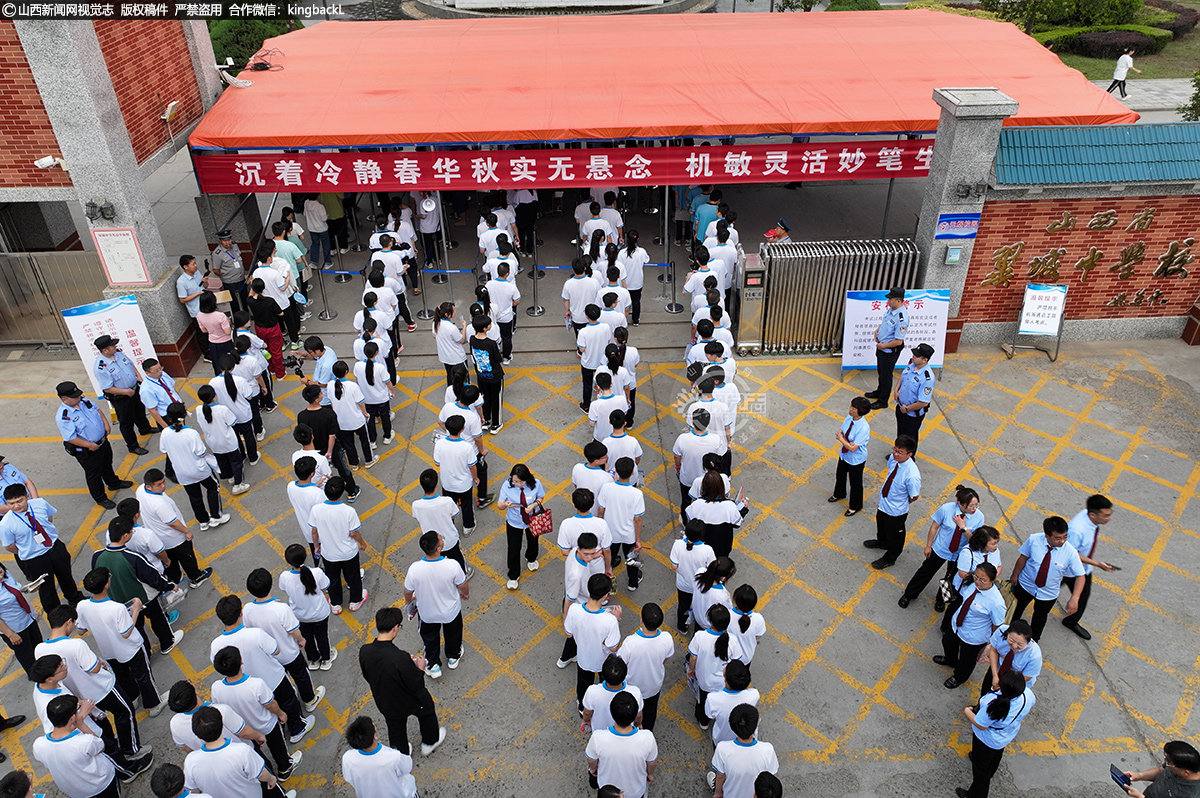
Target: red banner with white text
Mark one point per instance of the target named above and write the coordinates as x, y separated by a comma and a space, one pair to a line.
315, 172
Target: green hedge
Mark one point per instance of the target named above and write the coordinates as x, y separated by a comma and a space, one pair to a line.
1082, 41
939, 5
242, 38
854, 5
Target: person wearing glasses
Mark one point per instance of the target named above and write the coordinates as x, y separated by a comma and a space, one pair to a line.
1177, 777
968, 626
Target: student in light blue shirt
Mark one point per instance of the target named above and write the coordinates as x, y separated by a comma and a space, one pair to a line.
901, 487
852, 436
315, 349
995, 725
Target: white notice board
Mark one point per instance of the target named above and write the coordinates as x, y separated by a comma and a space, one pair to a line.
1042, 309
121, 256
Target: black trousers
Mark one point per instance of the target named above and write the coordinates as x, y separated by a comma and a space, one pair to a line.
649, 712
131, 413
153, 611
245, 435
961, 655
298, 670
625, 551
346, 438
701, 715
230, 465
402, 306
1116, 84
506, 334
336, 570
1069, 581
635, 305
854, 475
526, 214
343, 468
197, 491
397, 725
685, 498
889, 531
493, 400
720, 537
909, 425
587, 375
56, 563
277, 745
183, 560
925, 574
113, 790
632, 407
682, 607
128, 736
135, 678
885, 364
98, 470
583, 679
316, 639
431, 636
1041, 609
31, 635
201, 339
112, 748
514, 536
290, 704
466, 503
429, 243
383, 412
291, 321
985, 761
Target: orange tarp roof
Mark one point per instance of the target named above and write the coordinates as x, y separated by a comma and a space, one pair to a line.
362, 84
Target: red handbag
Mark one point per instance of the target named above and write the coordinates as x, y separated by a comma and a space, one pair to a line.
538, 518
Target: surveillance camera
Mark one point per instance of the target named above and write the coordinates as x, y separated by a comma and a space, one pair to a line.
45, 162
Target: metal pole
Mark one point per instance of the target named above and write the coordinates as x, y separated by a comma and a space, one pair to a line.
424, 313
887, 208
535, 309
673, 306
438, 279
665, 277
535, 273
326, 314
357, 245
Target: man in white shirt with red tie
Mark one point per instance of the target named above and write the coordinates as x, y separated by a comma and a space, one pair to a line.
1043, 562
157, 391
1083, 532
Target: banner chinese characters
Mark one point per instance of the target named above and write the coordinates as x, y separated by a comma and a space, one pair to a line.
504, 169
119, 317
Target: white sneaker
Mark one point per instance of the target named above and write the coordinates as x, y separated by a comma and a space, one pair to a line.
336, 609
162, 704
467, 530
309, 706
240, 488
224, 517
452, 662
309, 722
315, 665
355, 605
426, 750
435, 672
306, 315
372, 444
328, 663
712, 780
203, 527
174, 642
470, 572
512, 584
258, 436
531, 565
293, 761
389, 439
562, 663
372, 463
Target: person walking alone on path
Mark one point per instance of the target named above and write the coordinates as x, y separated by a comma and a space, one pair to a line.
1124, 64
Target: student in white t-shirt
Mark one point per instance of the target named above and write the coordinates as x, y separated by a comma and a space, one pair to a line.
277, 619
710, 589
167, 780
593, 472
303, 493
646, 653
720, 704
322, 470
593, 632
622, 506
748, 625
438, 586
373, 769
74, 754
689, 556
224, 769
112, 626
581, 563
349, 404
689, 450
456, 458
377, 392
570, 529
620, 444
623, 755
435, 512
708, 653
739, 764
590, 342
184, 700
251, 698
217, 422
598, 698
606, 401
336, 535
305, 587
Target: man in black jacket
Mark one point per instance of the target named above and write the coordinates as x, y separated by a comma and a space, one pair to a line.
397, 681
131, 575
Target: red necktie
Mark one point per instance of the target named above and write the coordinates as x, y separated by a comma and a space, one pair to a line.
170, 393
887, 485
1044, 570
1095, 540
847, 436
20, 599
1006, 664
956, 541
962, 614
37, 527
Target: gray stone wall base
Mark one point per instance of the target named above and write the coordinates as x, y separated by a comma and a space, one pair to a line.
1001, 332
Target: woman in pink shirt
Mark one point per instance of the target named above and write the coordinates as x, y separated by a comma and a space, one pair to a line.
215, 324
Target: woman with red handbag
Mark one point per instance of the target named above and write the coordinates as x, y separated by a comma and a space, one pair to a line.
521, 498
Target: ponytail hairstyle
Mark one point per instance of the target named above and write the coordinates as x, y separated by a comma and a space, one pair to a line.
369, 300
441, 313
176, 413
612, 353
483, 296
340, 369
242, 344
458, 379
610, 252
369, 327
369, 352
295, 554
594, 250
226, 365
631, 239
719, 570
718, 621
694, 532
207, 397
981, 536
1012, 684
745, 598
621, 336
963, 495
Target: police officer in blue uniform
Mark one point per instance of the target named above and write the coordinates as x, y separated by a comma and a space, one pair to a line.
120, 382
914, 393
889, 342
84, 431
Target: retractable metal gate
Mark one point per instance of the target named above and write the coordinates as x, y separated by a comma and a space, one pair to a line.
807, 284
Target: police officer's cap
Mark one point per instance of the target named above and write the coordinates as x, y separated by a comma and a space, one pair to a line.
896, 293
923, 350
69, 389
225, 235
105, 341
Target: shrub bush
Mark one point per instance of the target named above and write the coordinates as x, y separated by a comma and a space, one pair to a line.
1185, 18
1104, 41
949, 8
242, 38
854, 5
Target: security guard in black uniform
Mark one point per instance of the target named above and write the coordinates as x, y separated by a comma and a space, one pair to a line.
914, 393
84, 431
119, 380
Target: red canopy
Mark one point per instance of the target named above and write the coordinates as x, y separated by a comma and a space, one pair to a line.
363, 84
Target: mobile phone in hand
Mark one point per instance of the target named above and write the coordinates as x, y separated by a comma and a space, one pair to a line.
1119, 776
